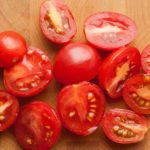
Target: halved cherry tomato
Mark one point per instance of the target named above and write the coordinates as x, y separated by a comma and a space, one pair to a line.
37, 127
124, 126
117, 68
57, 22
30, 76
145, 59
81, 107
76, 62
12, 48
136, 93
9, 108
109, 30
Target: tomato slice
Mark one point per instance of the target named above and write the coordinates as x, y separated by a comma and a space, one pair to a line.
136, 93
9, 108
37, 127
57, 22
30, 76
124, 126
81, 107
117, 68
109, 30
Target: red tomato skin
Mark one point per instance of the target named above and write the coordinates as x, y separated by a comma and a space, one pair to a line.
12, 48
76, 62
111, 16
23, 126
52, 36
106, 71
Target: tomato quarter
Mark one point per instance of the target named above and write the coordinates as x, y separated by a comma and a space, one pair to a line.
109, 30
57, 22
81, 107
117, 68
30, 76
124, 126
37, 126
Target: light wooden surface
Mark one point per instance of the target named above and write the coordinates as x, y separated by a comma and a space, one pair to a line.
22, 16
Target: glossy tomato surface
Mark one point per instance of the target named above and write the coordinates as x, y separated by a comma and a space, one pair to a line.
9, 108
124, 126
136, 93
37, 126
12, 48
109, 30
81, 107
57, 22
117, 68
29, 76
76, 62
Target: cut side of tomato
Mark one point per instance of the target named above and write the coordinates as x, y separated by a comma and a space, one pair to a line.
29, 76
124, 126
117, 68
57, 22
81, 107
109, 30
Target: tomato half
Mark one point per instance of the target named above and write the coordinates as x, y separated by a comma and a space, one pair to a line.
37, 127
136, 93
109, 30
81, 107
124, 126
9, 108
117, 68
57, 22
76, 62
29, 76
12, 48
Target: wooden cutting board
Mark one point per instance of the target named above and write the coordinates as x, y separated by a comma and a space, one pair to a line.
22, 16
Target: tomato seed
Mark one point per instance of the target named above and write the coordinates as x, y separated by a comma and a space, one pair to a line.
29, 141
147, 104
92, 110
2, 117
93, 100
90, 95
91, 114
34, 84
116, 128
141, 102
120, 132
134, 95
44, 57
147, 78
66, 26
47, 127
125, 133
93, 106
29, 52
19, 84
71, 114
24, 89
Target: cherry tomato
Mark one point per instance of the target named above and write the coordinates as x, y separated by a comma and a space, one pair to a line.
76, 62
109, 30
124, 126
136, 93
30, 76
9, 108
12, 48
81, 107
117, 68
37, 127
57, 22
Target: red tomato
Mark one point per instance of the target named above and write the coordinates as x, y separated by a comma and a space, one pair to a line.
109, 30
145, 59
30, 76
9, 108
81, 107
57, 22
124, 126
37, 126
76, 62
117, 68
136, 93
12, 48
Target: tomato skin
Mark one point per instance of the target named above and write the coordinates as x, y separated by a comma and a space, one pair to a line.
129, 118
33, 124
71, 63
49, 33
72, 98
34, 68
12, 48
109, 40
108, 69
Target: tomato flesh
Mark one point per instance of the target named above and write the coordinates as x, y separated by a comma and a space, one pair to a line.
81, 107
30, 76
124, 126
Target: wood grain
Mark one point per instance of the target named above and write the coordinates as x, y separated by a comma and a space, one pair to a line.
22, 16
